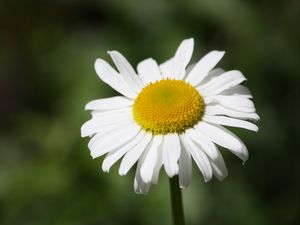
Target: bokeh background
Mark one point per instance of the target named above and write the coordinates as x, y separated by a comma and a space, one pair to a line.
47, 52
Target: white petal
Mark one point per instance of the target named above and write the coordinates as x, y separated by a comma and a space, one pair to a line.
185, 168
104, 114
182, 57
134, 154
166, 68
108, 75
212, 74
100, 145
126, 71
202, 142
105, 129
224, 138
221, 110
140, 187
147, 169
189, 68
203, 66
227, 121
148, 71
220, 83
219, 167
158, 166
239, 90
237, 103
211, 150
112, 157
104, 120
199, 157
109, 103
171, 154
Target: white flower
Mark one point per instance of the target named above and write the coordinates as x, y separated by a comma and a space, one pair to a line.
168, 115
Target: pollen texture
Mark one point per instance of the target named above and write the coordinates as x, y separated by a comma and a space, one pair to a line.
168, 106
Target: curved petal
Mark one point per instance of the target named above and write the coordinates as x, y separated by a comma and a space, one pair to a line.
189, 68
171, 154
237, 103
105, 114
102, 144
140, 187
108, 75
182, 57
175, 66
227, 121
239, 90
166, 68
148, 71
104, 129
185, 168
220, 83
203, 66
158, 165
199, 157
211, 74
203, 142
134, 154
103, 120
109, 103
211, 150
126, 71
112, 157
221, 110
219, 167
148, 166
224, 138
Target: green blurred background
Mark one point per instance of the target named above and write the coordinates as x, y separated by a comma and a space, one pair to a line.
47, 52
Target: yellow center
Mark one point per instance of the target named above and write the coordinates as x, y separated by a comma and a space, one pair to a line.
168, 106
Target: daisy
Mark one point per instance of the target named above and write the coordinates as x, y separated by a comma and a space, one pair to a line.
168, 115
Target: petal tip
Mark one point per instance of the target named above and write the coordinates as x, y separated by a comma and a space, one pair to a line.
105, 168
222, 178
83, 132
191, 39
112, 53
97, 63
245, 160
122, 172
87, 107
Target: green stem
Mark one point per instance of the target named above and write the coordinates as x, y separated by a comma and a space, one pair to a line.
176, 200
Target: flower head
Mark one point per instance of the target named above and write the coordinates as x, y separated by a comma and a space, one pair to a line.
168, 115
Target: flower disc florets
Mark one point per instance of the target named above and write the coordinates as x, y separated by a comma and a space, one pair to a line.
168, 106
